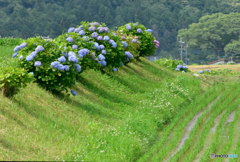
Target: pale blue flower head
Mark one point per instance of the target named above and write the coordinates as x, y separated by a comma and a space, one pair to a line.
70, 39
92, 28
149, 30
106, 29
94, 35
128, 27
102, 46
14, 55
73, 59
73, 93
62, 59
86, 38
38, 63
103, 62
114, 69
23, 45
184, 67
106, 38
200, 72
71, 29
78, 67
177, 69
74, 46
17, 48
29, 58
139, 30
66, 67
125, 44
179, 66
81, 33
21, 57
100, 29
101, 57
114, 45
111, 41
55, 64
61, 67
99, 37
134, 41
104, 52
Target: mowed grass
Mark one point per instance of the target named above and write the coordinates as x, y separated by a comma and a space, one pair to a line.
6, 53
114, 117
197, 68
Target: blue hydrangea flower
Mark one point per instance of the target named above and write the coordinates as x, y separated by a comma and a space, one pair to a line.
86, 38
94, 35
135, 24
21, 57
121, 63
128, 27
33, 54
106, 38
100, 29
71, 29
184, 67
14, 55
101, 57
179, 66
106, 29
66, 67
200, 72
114, 45
77, 30
99, 38
23, 45
29, 58
39, 49
114, 69
65, 54
62, 59
125, 44
184, 64
149, 30
73, 93
78, 67
55, 64
114, 34
177, 69
70, 53
102, 46
83, 52
74, 46
81, 33
73, 59
31, 73
139, 30
134, 41
80, 55
104, 52
61, 67
17, 48
70, 39
111, 41
92, 28
38, 63
128, 54
103, 62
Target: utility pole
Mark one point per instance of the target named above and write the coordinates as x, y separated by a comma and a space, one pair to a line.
186, 54
181, 44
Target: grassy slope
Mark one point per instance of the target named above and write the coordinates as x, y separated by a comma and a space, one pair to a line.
113, 117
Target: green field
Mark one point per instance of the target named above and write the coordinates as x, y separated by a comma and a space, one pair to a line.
143, 112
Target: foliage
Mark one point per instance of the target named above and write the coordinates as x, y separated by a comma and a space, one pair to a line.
212, 31
10, 41
172, 64
143, 37
13, 79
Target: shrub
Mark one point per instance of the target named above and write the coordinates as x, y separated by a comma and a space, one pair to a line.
146, 40
10, 41
12, 79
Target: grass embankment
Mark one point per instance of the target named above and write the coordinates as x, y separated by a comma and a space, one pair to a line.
114, 117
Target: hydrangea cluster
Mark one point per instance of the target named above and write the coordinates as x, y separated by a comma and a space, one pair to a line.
200, 72
139, 30
81, 32
128, 54
92, 28
70, 39
156, 43
181, 67
128, 27
71, 29
38, 63
124, 44
83, 52
114, 69
209, 71
149, 30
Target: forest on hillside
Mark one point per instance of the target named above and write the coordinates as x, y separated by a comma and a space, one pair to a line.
30, 18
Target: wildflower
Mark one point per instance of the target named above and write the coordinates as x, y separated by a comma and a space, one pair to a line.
62, 59
23, 45
94, 35
128, 27
38, 63
101, 57
139, 30
92, 28
71, 29
102, 46
17, 48
81, 33
29, 58
61, 67
21, 57
70, 39
200, 72
114, 69
74, 46
14, 55
78, 67
66, 67
55, 64
99, 38
104, 52
106, 38
73, 93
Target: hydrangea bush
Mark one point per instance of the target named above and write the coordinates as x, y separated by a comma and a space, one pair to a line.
56, 63
148, 43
